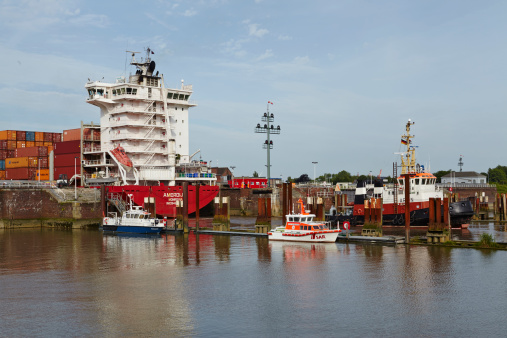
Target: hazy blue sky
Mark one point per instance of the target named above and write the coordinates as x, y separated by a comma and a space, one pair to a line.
344, 76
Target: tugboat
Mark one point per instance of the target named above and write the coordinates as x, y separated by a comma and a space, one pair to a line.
300, 227
422, 188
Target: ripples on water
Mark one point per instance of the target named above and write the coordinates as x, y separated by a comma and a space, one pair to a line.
81, 283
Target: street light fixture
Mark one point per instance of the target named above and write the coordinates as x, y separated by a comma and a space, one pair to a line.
268, 129
314, 165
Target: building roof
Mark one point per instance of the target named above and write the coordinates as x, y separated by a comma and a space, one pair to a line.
463, 174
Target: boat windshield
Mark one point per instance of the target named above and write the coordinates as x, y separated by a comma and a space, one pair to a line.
318, 227
141, 216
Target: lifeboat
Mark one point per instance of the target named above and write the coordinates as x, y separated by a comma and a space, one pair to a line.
301, 227
122, 157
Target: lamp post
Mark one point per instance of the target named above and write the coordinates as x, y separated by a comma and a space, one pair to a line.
268, 129
75, 180
314, 165
232, 172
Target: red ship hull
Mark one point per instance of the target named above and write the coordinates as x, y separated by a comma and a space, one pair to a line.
166, 197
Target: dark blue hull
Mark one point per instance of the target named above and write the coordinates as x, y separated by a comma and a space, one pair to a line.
132, 229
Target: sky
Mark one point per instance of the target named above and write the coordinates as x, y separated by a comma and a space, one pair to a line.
344, 76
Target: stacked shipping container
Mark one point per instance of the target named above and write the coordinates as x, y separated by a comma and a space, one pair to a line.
24, 154
67, 157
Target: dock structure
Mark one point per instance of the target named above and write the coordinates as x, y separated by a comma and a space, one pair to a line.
222, 218
263, 221
372, 217
439, 226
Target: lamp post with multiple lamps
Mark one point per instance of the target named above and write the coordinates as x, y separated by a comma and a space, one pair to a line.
269, 129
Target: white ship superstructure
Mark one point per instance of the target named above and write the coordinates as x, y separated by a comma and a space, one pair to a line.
150, 122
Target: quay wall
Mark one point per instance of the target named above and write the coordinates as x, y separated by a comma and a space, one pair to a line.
29, 208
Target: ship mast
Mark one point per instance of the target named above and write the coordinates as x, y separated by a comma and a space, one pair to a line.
408, 157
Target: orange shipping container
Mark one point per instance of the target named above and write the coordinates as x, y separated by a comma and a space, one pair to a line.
72, 135
21, 162
2, 174
50, 149
20, 144
39, 136
42, 175
30, 144
11, 145
8, 135
47, 144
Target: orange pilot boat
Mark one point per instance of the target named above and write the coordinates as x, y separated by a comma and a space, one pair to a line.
301, 227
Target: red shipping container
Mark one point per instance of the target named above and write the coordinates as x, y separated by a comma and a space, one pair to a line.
11, 153
72, 134
3, 154
69, 147
43, 163
32, 151
20, 173
57, 137
11, 145
48, 137
20, 135
69, 171
3, 144
67, 160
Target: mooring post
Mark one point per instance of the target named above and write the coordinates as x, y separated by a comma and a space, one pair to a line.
289, 199
407, 208
103, 200
185, 207
197, 206
284, 200
447, 220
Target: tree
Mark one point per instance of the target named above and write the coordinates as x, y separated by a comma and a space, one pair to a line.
497, 175
441, 173
255, 174
342, 176
303, 179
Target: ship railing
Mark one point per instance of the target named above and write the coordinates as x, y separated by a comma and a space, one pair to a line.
97, 162
183, 176
117, 201
91, 149
8, 184
90, 138
464, 185
135, 123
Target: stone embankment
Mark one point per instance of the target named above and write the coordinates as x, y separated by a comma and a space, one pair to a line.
49, 207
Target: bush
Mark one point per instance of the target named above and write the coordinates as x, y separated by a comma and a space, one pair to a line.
487, 241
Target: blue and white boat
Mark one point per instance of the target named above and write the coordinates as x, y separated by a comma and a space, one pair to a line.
135, 220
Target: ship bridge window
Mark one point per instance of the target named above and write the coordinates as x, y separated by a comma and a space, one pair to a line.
417, 181
129, 91
170, 96
186, 97
296, 219
290, 219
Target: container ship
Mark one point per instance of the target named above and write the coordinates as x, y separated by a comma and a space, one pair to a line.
140, 148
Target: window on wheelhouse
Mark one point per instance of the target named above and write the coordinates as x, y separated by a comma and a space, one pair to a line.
296, 219
417, 181
290, 219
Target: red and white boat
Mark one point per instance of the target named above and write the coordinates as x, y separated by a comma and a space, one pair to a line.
301, 227
144, 141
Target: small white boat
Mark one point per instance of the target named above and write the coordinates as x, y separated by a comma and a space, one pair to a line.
135, 220
301, 227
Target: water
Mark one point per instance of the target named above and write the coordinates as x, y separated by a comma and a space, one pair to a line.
82, 283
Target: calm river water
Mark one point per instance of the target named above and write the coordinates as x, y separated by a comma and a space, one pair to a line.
83, 283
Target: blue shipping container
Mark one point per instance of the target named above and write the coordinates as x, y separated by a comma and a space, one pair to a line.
2, 164
30, 136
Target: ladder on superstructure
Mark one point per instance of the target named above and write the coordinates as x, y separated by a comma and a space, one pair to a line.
118, 202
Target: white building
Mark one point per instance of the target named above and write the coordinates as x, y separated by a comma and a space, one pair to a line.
469, 177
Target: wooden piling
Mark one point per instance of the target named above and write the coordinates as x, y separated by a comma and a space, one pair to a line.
407, 208
197, 207
185, 207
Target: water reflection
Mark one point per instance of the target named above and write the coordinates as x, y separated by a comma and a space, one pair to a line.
85, 283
